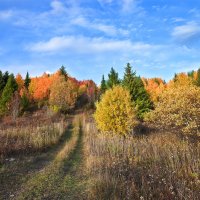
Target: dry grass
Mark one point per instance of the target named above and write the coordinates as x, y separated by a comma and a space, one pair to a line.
20, 139
158, 166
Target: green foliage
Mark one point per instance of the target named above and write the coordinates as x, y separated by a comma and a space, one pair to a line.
137, 91
198, 78
3, 80
24, 102
113, 78
191, 74
63, 72
103, 85
27, 80
115, 112
7, 94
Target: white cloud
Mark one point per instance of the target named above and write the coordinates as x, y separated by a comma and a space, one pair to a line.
89, 45
107, 29
57, 6
187, 31
6, 14
127, 5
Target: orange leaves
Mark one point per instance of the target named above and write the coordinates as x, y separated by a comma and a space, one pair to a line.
20, 81
154, 86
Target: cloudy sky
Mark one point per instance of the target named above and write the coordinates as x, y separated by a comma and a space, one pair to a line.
88, 37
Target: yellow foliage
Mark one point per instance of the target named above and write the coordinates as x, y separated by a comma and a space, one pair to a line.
179, 107
63, 94
115, 112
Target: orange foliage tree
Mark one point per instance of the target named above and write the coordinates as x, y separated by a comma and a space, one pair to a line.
20, 81
63, 94
154, 86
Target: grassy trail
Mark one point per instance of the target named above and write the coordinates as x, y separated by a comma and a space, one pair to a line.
56, 174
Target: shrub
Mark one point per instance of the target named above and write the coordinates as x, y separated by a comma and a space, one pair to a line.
178, 107
115, 112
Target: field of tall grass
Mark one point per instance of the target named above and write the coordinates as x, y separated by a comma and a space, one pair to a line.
27, 138
156, 166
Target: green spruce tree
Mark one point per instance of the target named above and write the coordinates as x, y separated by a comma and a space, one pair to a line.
103, 85
137, 91
113, 78
7, 94
1, 82
198, 78
24, 102
191, 74
63, 72
27, 80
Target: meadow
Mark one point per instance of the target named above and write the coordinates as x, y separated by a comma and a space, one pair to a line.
159, 165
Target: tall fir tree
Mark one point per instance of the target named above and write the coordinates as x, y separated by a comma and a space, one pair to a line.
24, 102
27, 80
7, 94
63, 72
191, 74
103, 85
113, 78
1, 82
198, 78
137, 91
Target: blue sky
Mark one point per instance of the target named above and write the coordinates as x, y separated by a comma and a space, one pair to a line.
89, 37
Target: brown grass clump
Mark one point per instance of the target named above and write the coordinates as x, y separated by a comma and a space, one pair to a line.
28, 138
157, 166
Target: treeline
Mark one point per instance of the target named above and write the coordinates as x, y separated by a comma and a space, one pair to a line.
58, 92
173, 105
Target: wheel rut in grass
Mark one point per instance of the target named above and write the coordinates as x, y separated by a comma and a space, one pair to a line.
14, 174
63, 177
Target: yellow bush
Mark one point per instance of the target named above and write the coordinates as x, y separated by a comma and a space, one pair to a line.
178, 107
115, 112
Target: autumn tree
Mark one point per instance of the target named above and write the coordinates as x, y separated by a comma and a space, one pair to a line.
63, 94
27, 80
113, 78
178, 107
115, 113
137, 91
7, 94
154, 87
20, 81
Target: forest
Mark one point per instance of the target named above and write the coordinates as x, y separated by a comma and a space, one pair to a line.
127, 138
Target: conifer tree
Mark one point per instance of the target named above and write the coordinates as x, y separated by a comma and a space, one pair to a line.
1, 82
113, 78
7, 94
63, 72
24, 102
137, 91
103, 85
198, 78
27, 80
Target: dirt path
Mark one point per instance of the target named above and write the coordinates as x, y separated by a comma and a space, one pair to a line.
55, 174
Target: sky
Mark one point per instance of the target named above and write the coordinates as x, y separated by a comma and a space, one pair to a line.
159, 38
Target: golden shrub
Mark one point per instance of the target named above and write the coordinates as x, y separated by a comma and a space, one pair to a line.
115, 112
178, 107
